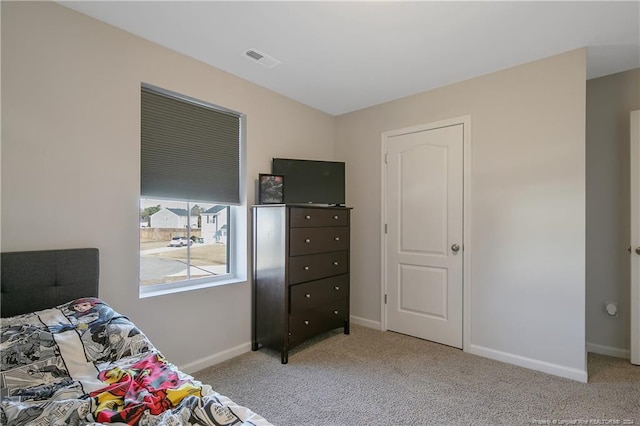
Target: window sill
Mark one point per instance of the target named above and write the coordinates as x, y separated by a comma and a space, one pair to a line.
161, 290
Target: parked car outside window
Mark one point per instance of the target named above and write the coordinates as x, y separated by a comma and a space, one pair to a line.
179, 242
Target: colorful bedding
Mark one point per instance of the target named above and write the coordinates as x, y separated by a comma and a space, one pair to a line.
82, 363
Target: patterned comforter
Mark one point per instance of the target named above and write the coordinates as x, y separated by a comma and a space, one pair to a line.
83, 363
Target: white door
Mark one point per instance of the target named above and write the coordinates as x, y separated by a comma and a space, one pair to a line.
635, 237
424, 195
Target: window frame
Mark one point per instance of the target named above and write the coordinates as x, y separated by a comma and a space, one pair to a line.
237, 228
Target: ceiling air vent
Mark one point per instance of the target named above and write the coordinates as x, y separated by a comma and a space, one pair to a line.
262, 58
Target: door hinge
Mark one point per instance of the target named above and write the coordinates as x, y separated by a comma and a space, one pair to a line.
385, 228
386, 159
385, 299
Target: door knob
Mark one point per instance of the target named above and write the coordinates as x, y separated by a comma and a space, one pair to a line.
638, 250
455, 248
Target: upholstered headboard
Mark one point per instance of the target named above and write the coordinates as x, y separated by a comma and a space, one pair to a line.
35, 280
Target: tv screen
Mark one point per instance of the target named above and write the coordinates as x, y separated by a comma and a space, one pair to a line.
311, 181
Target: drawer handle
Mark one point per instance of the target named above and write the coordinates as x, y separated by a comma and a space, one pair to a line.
308, 295
306, 322
335, 263
337, 238
306, 268
308, 240
336, 288
335, 312
336, 217
307, 217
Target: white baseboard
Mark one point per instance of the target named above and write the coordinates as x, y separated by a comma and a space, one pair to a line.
214, 359
365, 322
608, 350
533, 364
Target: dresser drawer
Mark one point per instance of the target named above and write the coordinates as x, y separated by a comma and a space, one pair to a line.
321, 319
315, 266
318, 240
302, 217
310, 295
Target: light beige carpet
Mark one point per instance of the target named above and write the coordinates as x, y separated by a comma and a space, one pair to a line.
383, 378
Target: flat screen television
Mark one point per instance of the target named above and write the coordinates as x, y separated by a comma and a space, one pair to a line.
311, 181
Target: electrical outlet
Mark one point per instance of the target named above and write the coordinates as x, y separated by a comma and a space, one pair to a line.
611, 308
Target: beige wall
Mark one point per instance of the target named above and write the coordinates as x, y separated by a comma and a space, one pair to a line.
70, 159
527, 212
610, 99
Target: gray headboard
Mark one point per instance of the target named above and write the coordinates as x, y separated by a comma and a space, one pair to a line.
35, 280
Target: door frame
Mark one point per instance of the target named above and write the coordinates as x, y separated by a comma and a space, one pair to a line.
634, 151
466, 221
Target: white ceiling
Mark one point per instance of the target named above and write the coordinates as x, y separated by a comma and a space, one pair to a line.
343, 56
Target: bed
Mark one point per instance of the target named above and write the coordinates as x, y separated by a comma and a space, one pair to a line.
68, 358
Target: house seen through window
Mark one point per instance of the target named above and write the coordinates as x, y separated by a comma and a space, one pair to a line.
189, 150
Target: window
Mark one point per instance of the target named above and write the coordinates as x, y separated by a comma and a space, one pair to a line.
190, 193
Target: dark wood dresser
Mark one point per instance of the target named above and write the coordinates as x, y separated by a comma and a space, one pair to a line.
300, 274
